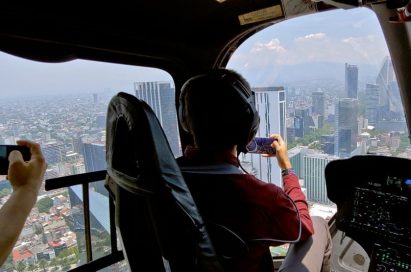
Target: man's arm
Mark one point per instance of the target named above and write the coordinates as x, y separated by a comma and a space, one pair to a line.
26, 179
292, 186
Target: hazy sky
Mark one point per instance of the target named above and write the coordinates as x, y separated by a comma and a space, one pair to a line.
352, 36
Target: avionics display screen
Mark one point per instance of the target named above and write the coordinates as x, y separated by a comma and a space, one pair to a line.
383, 209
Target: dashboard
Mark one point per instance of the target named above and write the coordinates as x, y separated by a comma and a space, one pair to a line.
373, 197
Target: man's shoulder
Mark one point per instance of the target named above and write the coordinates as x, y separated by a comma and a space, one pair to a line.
252, 181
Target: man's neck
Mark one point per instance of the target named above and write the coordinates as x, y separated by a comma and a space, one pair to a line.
231, 151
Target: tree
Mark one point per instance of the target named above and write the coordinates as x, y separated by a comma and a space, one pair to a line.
31, 267
45, 204
42, 264
21, 266
54, 262
8, 264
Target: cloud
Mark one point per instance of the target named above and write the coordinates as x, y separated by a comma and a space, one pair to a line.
364, 47
311, 37
312, 47
272, 45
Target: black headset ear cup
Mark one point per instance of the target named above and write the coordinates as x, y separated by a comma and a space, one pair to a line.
251, 122
181, 105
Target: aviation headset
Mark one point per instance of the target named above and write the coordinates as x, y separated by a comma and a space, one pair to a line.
228, 80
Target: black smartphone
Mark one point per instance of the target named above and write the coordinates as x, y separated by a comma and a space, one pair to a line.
4, 155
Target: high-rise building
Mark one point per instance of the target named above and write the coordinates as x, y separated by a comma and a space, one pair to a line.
299, 126
346, 127
94, 156
371, 103
99, 217
351, 81
391, 112
303, 122
327, 144
271, 106
53, 152
95, 160
160, 97
313, 166
309, 166
318, 106
95, 98
384, 78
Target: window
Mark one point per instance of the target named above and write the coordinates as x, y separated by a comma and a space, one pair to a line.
342, 98
63, 107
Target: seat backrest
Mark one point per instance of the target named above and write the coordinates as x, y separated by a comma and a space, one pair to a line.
229, 245
157, 220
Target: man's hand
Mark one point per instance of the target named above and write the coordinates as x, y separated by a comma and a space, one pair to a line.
26, 176
26, 179
280, 151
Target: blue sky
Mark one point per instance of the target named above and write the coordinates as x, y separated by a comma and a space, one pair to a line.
352, 36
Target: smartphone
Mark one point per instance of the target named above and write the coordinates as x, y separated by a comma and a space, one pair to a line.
261, 145
4, 155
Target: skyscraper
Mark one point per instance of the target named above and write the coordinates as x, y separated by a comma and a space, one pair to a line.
53, 152
371, 103
270, 104
160, 97
390, 99
95, 160
313, 166
95, 98
318, 106
351, 81
310, 165
346, 126
303, 121
94, 156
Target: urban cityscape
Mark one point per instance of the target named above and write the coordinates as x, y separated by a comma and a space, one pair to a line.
320, 122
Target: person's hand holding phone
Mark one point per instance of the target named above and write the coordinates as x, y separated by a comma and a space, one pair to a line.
281, 151
26, 175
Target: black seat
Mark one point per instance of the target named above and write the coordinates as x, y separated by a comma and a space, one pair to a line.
156, 218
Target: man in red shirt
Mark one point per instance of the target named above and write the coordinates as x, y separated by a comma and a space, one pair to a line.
217, 109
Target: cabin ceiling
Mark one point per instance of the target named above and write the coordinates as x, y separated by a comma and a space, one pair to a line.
153, 32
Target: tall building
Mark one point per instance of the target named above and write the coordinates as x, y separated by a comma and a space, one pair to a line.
271, 106
318, 106
371, 103
384, 78
160, 97
351, 81
53, 152
95, 98
327, 144
99, 219
303, 122
94, 156
95, 160
390, 103
310, 166
313, 166
346, 127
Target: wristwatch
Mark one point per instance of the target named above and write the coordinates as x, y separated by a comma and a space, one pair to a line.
288, 171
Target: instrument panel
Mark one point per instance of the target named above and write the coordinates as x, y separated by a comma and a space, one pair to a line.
373, 197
